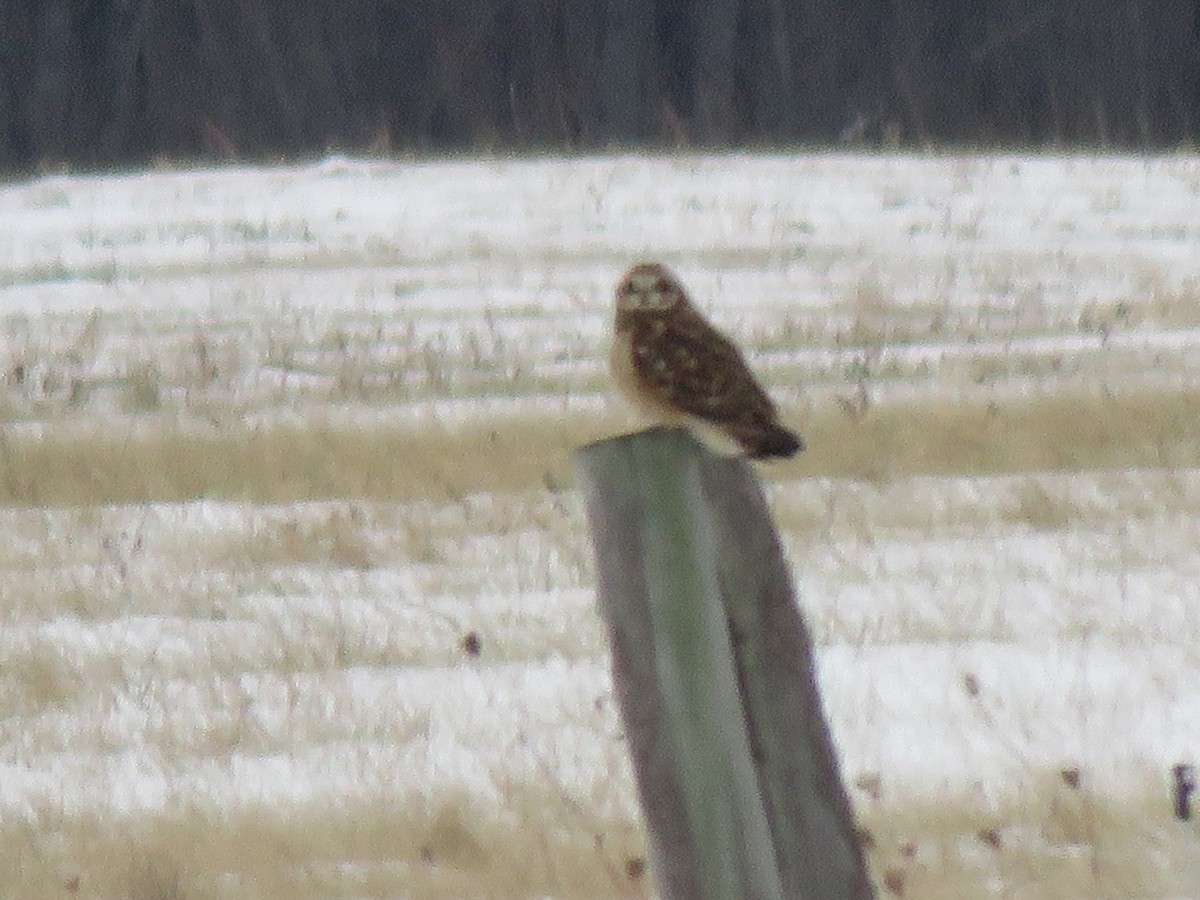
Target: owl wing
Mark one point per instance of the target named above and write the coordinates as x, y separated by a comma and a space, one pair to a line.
687, 364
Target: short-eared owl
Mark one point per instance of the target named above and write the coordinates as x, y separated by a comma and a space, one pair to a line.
677, 369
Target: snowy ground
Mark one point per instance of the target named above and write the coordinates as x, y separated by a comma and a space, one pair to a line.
278, 447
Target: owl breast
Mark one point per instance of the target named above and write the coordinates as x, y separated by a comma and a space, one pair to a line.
650, 406
632, 386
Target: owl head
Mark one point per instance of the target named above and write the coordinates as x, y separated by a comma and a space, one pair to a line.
649, 287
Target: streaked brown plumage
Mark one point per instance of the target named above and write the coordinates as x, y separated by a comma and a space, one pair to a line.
677, 369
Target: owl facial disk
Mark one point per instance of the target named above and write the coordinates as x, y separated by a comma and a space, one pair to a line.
649, 299
647, 289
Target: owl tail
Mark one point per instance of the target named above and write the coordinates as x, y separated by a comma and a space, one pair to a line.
773, 441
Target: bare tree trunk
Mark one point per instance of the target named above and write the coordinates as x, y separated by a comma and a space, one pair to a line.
52, 80
12, 145
786, 121
626, 76
714, 28
581, 110
122, 70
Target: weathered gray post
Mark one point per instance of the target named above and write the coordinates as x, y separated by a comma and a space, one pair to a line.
713, 670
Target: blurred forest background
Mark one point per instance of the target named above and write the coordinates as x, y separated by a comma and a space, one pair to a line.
100, 83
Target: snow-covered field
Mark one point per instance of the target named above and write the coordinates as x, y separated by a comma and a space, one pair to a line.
280, 449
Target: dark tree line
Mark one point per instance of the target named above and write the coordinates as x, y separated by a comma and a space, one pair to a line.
105, 82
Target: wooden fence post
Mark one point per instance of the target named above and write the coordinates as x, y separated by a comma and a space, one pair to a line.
713, 670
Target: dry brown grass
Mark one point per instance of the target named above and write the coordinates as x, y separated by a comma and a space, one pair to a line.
378, 847
1059, 431
152, 459
1053, 843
